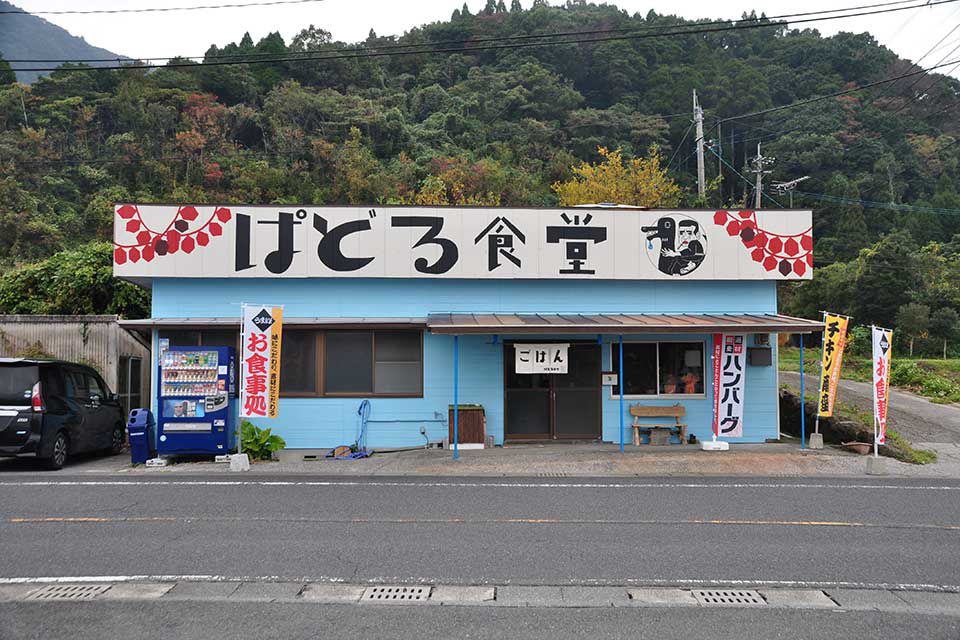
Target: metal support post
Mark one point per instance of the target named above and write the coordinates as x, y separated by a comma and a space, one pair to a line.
622, 390
803, 402
456, 397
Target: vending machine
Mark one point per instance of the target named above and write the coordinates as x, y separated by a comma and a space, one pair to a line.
196, 405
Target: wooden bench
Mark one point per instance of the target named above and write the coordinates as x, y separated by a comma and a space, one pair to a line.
675, 411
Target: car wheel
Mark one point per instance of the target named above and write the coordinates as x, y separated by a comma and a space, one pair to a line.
117, 440
58, 453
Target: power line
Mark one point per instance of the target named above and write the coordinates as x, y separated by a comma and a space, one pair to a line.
236, 5
510, 38
383, 51
679, 144
909, 208
828, 96
920, 78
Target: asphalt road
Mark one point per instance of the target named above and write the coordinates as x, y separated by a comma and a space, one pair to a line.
462, 531
913, 416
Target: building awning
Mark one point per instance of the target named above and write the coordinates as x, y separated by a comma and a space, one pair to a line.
510, 323
233, 322
617, 323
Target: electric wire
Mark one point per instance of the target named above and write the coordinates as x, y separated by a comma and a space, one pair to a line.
768, 19
383, 52
235, 5
745, 179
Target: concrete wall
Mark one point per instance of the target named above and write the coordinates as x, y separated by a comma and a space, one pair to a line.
97, 341
395, 422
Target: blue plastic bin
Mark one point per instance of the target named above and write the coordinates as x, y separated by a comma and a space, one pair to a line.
140, 427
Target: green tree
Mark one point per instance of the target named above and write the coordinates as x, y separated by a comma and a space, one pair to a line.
945, 326
886, 278
78, 281
515, 6
913, 321
7, 75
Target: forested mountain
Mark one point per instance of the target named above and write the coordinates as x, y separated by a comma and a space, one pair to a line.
27, 37
499, 121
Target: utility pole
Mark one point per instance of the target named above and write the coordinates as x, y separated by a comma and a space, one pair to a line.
720, 157
698, 118
759, 167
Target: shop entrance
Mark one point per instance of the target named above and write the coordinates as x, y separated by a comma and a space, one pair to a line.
541, 406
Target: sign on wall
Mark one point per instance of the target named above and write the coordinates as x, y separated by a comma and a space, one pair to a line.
834, 340
882, 344
431, 242
729, 358
260, 364
541, 358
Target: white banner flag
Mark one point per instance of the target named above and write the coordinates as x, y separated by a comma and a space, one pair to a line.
882, 344
729, 374
260, 362
541, 358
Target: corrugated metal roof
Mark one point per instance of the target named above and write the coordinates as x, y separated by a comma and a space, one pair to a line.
461, 323
233, 321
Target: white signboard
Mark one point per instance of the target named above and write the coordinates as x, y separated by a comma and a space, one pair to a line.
882, 343
260, 365
223, 241
541, 358
729, 371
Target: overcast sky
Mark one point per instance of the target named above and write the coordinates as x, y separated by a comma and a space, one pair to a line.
909, 33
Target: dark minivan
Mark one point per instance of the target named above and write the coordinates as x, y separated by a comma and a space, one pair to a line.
49, 409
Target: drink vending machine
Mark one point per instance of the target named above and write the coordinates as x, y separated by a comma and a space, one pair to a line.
196, 408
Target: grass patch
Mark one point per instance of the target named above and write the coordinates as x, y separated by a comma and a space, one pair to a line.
900, 447
906, 452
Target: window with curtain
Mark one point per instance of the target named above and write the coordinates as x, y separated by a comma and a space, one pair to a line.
386, 363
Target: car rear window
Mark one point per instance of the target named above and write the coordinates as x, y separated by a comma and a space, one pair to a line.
16, 383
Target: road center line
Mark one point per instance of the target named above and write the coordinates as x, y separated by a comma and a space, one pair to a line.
471, 485
473, 521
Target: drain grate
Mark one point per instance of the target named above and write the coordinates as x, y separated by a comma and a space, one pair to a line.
69, 592
396, 595
728, 598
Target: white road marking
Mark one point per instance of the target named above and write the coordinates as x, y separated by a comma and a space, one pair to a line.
472, 485
678, 582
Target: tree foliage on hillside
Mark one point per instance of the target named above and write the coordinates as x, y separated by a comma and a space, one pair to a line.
500, 126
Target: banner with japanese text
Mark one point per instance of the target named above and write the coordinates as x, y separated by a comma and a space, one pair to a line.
882, 345
260, 363
834, 341
729, 369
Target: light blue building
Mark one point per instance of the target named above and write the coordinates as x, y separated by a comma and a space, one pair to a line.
413, 340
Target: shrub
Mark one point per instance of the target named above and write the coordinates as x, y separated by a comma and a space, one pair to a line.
907, 374
259, 444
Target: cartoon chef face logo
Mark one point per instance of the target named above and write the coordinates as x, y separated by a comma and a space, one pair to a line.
675, 245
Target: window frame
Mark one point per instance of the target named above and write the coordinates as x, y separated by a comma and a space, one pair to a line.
658, 395
320, 359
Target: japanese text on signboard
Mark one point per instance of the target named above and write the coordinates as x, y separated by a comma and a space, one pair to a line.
882, 343
260, 364
422, 242
834, 340
729, 374
541, 358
